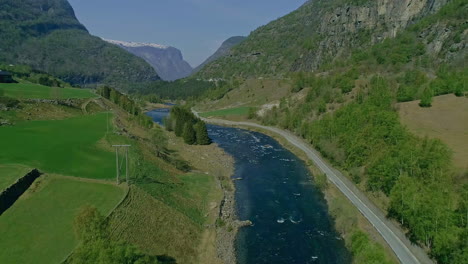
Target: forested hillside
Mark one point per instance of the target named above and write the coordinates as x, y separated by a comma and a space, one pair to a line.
319, 32
47, 36
349, 114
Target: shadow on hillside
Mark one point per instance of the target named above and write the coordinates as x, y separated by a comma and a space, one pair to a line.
165, 259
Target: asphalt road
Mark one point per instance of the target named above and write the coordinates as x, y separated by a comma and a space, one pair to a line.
406, 252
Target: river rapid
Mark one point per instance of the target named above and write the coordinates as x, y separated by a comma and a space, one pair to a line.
274, 190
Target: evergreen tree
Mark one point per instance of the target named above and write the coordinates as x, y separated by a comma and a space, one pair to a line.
179, 127
189, 134
168, 124
202, 133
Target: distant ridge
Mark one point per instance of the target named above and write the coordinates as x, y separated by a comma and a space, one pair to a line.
166, 60
223, 51
135, 44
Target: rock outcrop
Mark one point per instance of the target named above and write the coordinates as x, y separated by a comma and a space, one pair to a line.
319, 32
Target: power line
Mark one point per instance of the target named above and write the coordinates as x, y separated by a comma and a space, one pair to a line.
117, 161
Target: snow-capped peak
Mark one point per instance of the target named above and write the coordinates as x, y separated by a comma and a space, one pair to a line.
135, 44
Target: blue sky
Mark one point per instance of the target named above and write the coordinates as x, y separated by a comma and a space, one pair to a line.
197, 27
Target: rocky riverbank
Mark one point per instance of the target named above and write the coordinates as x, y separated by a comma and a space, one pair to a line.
223, 225
227, 227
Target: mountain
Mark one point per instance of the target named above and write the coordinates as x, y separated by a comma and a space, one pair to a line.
46, 35
167, 61
223, 51
338, 73
319, 32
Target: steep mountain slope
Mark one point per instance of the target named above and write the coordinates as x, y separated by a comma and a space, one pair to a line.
349, 63
46, 35
167, 61
223, 51
319, 32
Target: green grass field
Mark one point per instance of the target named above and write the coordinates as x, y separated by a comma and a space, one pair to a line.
36, 91
175, 235
10, 173
228, 112
67, 147
39, 226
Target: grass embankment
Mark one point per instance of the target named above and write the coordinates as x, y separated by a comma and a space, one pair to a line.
167, 211
155, 227
67, 147
446, 120
238, 111
36, 91
10, 173
38, 228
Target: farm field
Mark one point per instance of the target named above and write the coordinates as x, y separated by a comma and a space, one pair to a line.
227, 112
446, 120
50, 206
10, 173
66, 147
36, 91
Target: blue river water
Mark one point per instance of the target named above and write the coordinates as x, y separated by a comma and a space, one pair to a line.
276, 192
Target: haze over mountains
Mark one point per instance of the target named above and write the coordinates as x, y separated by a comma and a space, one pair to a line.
166, 60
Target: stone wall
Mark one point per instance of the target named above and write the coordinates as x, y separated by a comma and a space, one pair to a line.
9, 196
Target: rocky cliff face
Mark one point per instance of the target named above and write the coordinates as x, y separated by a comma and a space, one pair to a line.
319, 32
167, 61
223, 51
345, 27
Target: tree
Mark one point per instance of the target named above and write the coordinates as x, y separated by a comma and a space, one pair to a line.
189, 134
105, 92
179, 127
202, 133
426, 99
168, 124
159, 142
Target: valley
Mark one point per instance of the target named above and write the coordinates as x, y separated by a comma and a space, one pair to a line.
337, 133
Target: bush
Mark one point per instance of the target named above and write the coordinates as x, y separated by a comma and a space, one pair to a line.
426, 99
9, 102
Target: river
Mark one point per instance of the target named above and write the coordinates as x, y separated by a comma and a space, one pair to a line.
276, 192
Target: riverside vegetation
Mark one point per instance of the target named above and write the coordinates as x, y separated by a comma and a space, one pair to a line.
346, 107
184, 124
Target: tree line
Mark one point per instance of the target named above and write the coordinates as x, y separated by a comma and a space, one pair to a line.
127, 104
365, 137
186, 125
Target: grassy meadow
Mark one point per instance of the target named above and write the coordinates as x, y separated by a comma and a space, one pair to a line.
50, 206
10, 173
36, 91
67, 147
446, 120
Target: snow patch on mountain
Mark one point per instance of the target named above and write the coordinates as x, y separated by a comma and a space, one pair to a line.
136, 44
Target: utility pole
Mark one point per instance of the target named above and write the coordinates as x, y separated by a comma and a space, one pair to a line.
117, 161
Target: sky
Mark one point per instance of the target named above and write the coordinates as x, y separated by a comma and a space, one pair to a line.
196, 27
